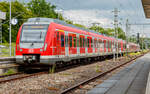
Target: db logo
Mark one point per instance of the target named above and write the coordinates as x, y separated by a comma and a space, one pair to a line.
31, 50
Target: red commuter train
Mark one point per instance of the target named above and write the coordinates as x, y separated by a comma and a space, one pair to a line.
49, 41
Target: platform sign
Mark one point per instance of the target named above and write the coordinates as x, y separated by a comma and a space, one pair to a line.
2, 15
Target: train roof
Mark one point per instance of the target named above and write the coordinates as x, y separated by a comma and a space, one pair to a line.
49, 20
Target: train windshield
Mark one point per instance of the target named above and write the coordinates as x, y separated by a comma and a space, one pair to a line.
33, 33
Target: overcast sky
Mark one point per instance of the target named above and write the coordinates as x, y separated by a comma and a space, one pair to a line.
89, 11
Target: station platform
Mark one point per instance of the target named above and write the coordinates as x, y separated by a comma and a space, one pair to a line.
130, 80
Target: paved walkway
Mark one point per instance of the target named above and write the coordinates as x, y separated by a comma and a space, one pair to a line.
130, 80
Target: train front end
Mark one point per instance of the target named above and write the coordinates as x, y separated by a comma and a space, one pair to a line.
31, 41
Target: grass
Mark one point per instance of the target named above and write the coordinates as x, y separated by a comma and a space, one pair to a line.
5, 51
135, 54
52, 69
10, 71
98, 68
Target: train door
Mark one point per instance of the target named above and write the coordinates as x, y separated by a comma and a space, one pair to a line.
62, 39
108, 46
86, 45
78, 44
66, 44
70, 44
95, 45
111, 45
60, 43
82, 44
105, 45
57, 44
74, 49
90, 44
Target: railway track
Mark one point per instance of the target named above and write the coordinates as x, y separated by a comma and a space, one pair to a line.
17, 76
95, 77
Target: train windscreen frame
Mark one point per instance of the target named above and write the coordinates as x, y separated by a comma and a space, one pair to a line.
33, 33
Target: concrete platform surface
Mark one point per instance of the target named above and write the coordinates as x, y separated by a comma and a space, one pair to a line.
130, 80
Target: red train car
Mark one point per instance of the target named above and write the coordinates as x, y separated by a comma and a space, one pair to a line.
47, 41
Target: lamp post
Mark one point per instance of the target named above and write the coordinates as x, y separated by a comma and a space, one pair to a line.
10, 29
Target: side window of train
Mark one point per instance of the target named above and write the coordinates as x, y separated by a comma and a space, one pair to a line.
91, 42
80, 41
74, 41
57, 35
66, 41
77, 41
83, 41
110, 44
70, 41
62, 40
88, 42
94, 43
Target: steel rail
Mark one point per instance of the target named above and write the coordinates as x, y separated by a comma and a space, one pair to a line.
11, 78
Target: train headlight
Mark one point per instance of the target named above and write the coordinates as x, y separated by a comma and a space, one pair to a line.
21, 50
45, 46
41, 50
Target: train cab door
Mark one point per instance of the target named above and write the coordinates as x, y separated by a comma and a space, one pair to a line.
62, 43
57, 44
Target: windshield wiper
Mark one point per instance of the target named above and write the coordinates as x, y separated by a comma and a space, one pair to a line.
32, 44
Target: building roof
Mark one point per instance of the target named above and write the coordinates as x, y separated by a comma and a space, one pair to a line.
146, 6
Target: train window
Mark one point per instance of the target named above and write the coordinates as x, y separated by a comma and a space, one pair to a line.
88, 43
77, 41
70, 41
109, 44
83, 42
66, 41
62, 40
57, 35
106, 44
80, 41
100, 44
91, 43
94, 43
74, 41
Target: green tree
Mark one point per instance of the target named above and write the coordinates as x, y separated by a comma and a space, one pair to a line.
99, 29
79, 25
121, 34
41, 8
